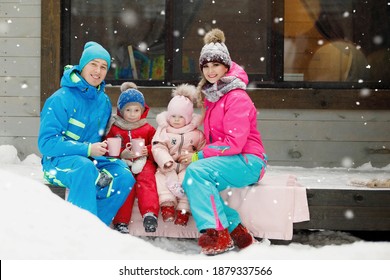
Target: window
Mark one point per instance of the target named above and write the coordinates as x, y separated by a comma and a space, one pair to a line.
246, 25
295, 43
336, 41
132, 31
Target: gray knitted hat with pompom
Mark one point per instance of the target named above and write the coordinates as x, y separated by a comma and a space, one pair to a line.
214, 49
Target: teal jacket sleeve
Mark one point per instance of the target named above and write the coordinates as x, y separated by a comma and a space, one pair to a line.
54, 138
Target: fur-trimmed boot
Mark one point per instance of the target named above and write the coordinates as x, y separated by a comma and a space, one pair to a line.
242, 237
215, 242
182, 217
168, 213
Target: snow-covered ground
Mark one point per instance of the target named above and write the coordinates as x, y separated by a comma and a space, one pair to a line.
38, 225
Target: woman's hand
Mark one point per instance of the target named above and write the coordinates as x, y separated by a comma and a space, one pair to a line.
186, 158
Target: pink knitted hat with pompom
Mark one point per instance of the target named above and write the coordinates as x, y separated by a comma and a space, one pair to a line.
182, 102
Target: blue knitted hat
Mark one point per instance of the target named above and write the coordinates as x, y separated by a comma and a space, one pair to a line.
93, 50
130, 95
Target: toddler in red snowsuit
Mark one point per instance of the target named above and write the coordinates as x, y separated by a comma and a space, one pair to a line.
130, 123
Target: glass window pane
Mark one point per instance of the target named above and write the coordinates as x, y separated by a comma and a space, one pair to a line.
336, 40
246, 27
117, 25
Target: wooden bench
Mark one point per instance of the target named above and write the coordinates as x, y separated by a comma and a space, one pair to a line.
348, 210
338, 209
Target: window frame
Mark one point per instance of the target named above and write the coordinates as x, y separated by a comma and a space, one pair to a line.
299, 95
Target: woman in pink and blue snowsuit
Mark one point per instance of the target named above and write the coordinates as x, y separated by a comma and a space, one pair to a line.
73, 121
234, 155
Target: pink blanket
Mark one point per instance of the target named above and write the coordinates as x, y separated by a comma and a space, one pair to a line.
268, 210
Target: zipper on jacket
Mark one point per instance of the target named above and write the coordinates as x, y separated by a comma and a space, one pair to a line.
179, 151
210, 128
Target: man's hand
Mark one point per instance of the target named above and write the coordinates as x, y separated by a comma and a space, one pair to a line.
99, 149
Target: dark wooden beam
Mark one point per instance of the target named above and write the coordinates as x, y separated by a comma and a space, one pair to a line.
50, 47
276, 98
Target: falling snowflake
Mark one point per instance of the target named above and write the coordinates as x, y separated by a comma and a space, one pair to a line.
143, 47
349, 214
176, 33
190, 181
378, 40
347, 162
201, 32
365, 92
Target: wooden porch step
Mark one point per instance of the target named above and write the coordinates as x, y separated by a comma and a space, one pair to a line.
338, 209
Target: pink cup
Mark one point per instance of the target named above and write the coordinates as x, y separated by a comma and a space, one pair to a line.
114, 146
137, 146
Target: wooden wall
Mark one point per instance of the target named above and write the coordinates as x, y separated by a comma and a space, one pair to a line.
320, 137
20, 53
332, 138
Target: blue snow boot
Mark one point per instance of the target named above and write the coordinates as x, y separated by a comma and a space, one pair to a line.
104, 180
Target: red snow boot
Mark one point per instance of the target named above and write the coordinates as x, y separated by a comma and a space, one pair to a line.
168, 213
242, 237
182, 217
215, 242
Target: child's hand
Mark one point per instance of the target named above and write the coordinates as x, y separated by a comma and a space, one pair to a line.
144, 151
131, 154
128, 154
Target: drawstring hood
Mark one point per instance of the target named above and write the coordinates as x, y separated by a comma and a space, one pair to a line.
72, 79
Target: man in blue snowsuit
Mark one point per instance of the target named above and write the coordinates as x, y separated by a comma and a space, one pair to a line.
73, 121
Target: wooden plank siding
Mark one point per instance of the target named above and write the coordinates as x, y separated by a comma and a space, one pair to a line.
308, 137
20, 74
337, 209
16, 9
